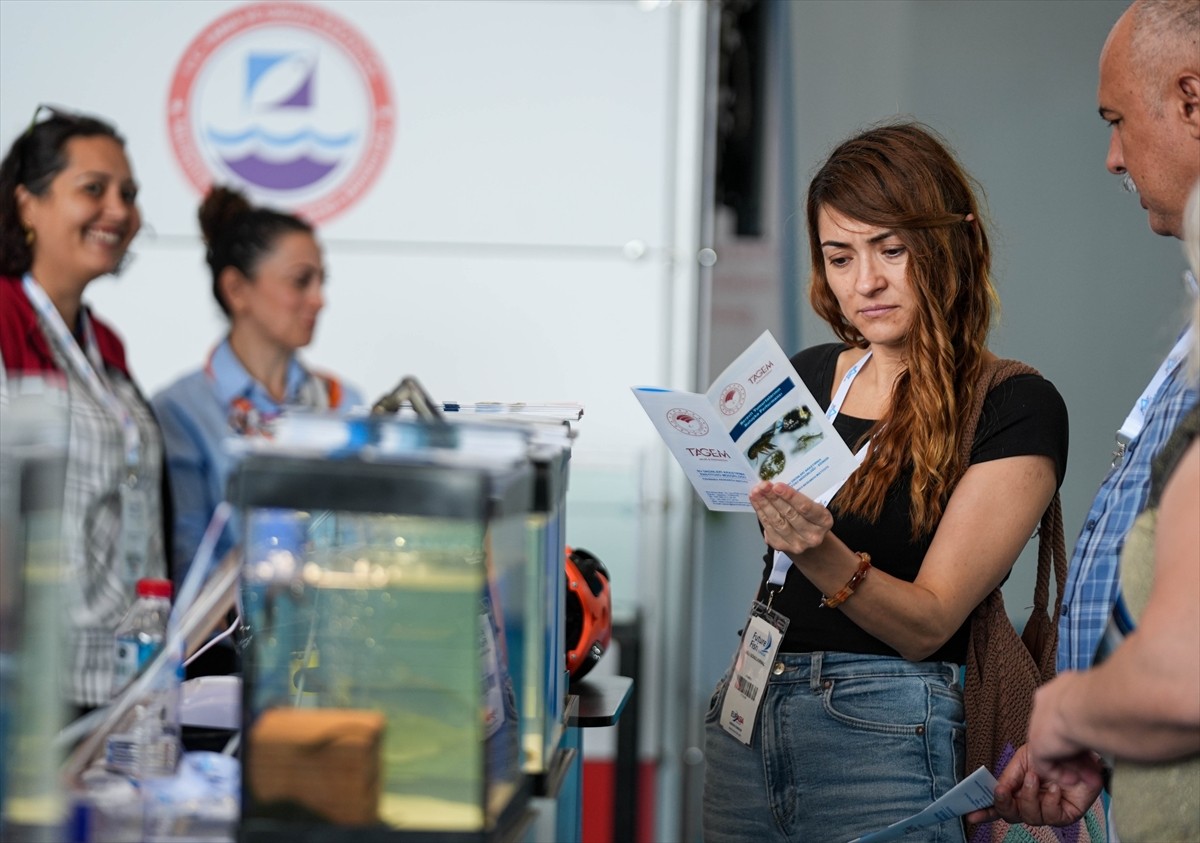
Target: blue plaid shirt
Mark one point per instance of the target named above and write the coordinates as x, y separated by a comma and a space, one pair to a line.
1092, 580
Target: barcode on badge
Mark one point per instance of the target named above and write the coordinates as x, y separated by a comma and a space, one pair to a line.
745, 687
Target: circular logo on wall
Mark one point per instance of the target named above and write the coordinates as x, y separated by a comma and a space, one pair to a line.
685, 421
732, 398
287, 102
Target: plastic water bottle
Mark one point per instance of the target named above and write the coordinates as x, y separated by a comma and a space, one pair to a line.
146, 744
141, 632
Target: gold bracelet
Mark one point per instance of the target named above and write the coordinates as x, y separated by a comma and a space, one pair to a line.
864, 565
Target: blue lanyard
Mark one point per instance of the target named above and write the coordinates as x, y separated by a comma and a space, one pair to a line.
781, 563
835, 405
89, 366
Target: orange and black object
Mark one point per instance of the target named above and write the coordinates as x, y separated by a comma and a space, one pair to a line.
588, 612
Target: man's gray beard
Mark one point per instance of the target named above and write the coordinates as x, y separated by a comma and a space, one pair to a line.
1127, 184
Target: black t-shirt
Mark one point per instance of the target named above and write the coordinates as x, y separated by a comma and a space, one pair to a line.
1023, 415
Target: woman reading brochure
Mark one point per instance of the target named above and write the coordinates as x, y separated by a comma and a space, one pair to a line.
861, 621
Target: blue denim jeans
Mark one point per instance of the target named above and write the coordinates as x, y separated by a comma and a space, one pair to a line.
843, 745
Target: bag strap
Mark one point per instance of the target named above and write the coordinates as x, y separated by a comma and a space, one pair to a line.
995, 372
1041, 638
1052, 554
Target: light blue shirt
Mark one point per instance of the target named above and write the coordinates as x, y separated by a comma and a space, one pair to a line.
199, 414
1093, 578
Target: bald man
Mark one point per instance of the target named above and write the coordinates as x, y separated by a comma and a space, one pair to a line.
1149, 94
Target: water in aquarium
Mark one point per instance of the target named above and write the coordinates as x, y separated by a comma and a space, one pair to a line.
391, 614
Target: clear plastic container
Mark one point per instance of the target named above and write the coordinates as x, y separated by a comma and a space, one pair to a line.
108, 808
200, 804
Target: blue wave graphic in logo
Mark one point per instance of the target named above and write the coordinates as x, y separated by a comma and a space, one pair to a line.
255, 133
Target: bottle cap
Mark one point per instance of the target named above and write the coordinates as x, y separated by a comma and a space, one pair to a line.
149, 587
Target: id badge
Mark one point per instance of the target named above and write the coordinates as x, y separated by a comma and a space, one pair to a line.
134, 547
751, 670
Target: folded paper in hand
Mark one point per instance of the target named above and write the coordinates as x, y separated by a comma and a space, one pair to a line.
758, 421
971, 794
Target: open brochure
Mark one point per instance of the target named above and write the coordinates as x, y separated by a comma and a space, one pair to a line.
758, 421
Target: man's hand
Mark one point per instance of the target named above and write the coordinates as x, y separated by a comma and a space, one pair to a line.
1069, 789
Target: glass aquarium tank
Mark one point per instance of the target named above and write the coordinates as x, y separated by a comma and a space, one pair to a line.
33, 599
380, 692
540, 644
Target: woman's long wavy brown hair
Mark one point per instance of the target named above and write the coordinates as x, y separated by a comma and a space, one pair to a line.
903, 177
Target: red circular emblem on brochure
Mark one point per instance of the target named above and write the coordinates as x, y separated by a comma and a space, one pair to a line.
685, 421
288, 102
733, 397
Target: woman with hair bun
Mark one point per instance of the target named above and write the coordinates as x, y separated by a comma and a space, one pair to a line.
268, 278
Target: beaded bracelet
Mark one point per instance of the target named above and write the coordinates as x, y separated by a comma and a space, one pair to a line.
854, 582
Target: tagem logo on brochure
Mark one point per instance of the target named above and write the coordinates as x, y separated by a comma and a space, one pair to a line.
718, 454
286, 101
762, 371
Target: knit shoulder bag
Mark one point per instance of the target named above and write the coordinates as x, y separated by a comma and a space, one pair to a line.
1004, 668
